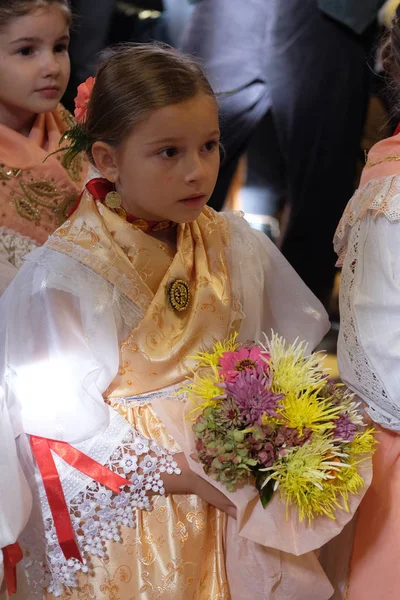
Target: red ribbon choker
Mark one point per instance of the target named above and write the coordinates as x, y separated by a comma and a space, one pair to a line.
99, 188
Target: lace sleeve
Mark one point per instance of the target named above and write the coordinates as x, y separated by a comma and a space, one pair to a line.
369, 339
97, 514
60, 330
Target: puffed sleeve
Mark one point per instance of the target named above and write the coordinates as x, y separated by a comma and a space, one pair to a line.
271, 293
61, 325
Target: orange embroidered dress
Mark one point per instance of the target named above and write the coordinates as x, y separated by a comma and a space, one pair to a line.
35, 196
105, 356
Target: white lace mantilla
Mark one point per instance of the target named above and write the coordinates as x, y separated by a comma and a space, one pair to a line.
378, 196
97, 515
124, 285
15, 246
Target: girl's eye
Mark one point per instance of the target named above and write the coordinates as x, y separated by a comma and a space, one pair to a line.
211, 145
61, 48
26, 51
169, 152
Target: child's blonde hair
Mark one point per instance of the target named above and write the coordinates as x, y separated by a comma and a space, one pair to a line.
132, 81
11, 9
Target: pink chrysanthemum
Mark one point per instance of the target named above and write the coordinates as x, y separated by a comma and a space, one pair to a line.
242, 360
251, 393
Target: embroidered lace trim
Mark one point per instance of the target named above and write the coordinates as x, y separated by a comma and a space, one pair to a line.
170, 392
78, 276
126, 286
368, 382
15, 246
379, 196
97, 515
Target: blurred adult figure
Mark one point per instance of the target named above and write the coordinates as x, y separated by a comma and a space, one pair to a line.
301, 67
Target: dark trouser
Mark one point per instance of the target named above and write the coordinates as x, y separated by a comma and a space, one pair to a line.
87, 40
316, 90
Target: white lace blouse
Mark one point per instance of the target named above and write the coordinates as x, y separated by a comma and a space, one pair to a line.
368, 244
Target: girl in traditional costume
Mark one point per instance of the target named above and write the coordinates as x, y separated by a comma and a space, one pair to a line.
35, 195
368, 354
96, 334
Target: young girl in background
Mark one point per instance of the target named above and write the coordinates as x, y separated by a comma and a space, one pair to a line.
35, 196
367, 242
96, 332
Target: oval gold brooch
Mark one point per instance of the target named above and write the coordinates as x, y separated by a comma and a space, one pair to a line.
179, 295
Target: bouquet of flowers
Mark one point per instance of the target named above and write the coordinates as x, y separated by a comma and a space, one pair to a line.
267, 414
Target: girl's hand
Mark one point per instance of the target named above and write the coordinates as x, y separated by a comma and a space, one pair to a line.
190, 483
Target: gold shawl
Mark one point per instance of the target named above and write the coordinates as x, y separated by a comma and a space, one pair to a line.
155, 354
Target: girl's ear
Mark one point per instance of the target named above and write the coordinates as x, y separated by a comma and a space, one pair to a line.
105, 158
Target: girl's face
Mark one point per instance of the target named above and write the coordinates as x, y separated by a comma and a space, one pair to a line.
167, 168
34, 65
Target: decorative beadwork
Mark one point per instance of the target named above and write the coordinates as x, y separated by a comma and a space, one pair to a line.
179, 295
42, 193
6, 173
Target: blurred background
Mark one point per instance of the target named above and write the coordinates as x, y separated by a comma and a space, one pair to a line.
302, 100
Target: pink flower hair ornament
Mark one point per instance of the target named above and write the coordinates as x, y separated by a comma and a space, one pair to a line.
82, 99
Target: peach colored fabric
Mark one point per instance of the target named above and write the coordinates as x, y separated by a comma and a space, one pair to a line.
377, 194
374, 569
374, 566
383, 160
36, 195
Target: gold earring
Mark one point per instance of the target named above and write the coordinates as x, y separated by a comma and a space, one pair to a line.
113, 200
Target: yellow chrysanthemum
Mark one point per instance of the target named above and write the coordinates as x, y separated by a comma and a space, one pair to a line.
203, 391
211, 359
318, 479
270, 420
306, 409
305, 478
294, 371
363, 444
348, 482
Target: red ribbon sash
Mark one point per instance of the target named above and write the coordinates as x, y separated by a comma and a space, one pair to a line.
12, 555
41, 448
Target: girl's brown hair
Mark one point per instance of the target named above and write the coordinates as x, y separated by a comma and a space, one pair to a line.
134, 79
11, 9
390, 49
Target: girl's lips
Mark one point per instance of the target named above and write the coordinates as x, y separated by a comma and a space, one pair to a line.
194, 200
50, 92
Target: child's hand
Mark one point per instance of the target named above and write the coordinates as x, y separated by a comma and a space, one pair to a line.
190, 483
